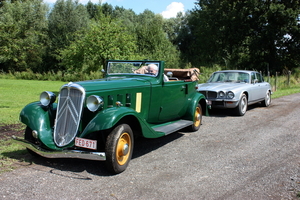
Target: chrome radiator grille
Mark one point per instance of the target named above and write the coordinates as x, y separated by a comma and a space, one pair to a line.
209, 94
212, 95
68, 114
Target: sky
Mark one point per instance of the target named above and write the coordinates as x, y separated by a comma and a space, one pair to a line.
167, 8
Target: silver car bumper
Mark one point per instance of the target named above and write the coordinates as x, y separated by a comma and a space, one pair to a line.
222, 103
87, 155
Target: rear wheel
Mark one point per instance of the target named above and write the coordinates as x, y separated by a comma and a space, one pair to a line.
241, 109
119, 148
197, 119
267, 100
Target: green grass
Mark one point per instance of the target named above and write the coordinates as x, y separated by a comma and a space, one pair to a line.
11, 155
285, 92
15, 94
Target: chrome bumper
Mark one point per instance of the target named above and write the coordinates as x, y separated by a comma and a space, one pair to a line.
214, 103
87, 155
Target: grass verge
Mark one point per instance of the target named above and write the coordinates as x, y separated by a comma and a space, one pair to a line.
11, 155
15, 94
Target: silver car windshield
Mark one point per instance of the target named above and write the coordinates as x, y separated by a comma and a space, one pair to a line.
126, 68
229, 77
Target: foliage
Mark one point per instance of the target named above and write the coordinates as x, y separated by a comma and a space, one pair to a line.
52, 76
263, 35
254, 34
103, 40
152, 40
23, 36
65, 19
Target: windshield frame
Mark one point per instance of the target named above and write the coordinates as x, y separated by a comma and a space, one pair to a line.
131, 68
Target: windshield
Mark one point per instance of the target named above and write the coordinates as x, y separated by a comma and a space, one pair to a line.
229, 77
148, 68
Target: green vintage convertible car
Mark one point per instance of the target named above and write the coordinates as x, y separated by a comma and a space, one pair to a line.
100, 119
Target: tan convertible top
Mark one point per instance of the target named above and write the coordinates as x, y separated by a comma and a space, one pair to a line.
191, 73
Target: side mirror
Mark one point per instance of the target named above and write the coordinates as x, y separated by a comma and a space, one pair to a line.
169, 74
102, 70
255, 81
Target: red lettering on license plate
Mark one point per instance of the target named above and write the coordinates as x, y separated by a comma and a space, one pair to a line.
86, 143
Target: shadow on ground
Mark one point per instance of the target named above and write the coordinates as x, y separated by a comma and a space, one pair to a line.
230, 112
72, 167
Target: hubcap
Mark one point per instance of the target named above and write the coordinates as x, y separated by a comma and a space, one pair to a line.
123, 148
197, 117
244, 105
268, 99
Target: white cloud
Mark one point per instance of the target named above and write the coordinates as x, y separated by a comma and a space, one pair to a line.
173, 9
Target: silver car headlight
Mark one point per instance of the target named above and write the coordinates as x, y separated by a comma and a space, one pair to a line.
221, 94
47, 98
230, 95
94, 102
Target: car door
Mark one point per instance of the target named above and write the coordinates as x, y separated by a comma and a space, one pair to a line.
173, 100
256, 91
262, 86
253, 90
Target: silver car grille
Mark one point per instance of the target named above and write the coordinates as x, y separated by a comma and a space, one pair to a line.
209, 94
69, 109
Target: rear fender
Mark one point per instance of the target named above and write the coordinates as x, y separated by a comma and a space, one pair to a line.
197, 99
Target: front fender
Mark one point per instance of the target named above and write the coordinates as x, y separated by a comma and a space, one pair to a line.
41, 119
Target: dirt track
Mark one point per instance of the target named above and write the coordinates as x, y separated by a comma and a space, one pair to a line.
251, 157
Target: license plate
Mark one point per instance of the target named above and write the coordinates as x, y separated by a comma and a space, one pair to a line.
86, 143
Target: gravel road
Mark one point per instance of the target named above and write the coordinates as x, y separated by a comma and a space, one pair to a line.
251, 157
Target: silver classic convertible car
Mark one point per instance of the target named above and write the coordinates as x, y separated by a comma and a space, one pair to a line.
236, 89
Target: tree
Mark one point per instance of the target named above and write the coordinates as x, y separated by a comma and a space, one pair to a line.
66, 18
23, 35
246, 34
103, 40
153, 42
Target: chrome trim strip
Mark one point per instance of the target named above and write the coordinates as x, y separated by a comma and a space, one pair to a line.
87, 155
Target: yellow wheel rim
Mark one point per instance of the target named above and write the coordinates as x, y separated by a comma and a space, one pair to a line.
123, 148
197, 120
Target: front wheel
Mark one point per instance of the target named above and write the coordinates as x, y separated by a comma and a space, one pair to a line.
241, 109
267, 100
118, 148
197, 119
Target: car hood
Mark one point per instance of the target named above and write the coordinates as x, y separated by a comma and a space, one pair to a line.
219, 86
113, 83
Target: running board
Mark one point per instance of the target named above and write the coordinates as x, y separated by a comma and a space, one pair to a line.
173, 126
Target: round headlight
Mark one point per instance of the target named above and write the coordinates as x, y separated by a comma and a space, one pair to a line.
46, 98
230, 95
94, 102
221, 94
